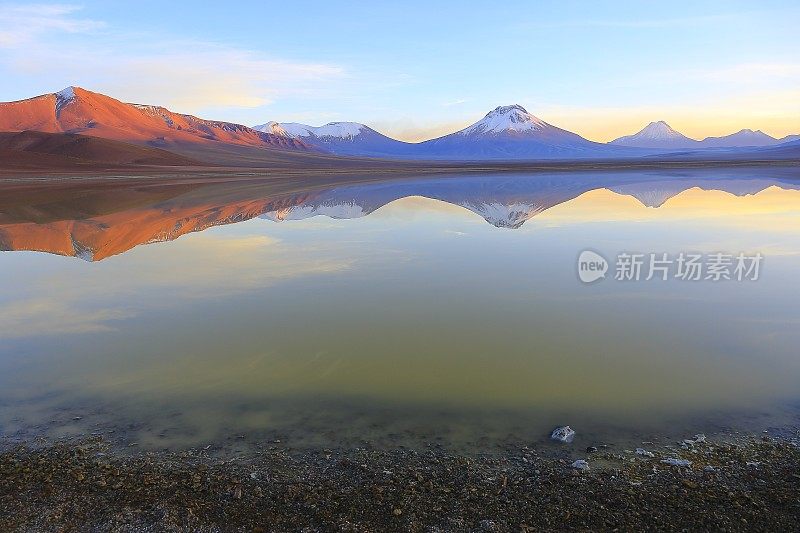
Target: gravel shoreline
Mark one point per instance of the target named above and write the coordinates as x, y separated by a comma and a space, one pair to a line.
88, 485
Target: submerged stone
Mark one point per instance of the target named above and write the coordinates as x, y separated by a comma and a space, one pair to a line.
563, 434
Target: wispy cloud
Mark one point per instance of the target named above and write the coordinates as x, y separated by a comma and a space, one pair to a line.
456, 102
187, 75
23, 24
190, 79
644, 23
762, 73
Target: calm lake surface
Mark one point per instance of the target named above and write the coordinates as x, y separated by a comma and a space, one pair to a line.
413, 310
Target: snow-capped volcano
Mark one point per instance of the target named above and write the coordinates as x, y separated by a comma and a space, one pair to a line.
503, 119
342, 138
510, 132
656, 135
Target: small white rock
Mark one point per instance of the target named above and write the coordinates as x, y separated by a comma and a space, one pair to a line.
689, 443
645, 453
672, 461
563, 434
580, 464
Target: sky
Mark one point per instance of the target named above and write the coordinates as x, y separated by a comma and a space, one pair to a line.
416, 70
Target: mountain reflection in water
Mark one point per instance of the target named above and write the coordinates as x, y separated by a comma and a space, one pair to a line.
94, 221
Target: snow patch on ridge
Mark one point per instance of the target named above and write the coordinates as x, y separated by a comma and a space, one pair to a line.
273, 128
337, 130
64, 97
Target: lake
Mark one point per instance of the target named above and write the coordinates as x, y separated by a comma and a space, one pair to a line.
400, 311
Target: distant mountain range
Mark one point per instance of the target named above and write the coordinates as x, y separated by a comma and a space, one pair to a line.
510, 132
505, 133
659, 135
341, 138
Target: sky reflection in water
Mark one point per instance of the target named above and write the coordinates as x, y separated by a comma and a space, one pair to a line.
415, 316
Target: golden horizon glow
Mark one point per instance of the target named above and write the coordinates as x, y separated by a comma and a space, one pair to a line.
777, 114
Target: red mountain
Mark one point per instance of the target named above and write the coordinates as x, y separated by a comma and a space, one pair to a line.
76, 110
39, 150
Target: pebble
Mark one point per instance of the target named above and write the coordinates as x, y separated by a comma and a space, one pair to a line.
688, 443
563, 434
580, 464
488, 525
645, 453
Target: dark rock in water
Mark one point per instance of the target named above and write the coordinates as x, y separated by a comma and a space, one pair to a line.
591, 449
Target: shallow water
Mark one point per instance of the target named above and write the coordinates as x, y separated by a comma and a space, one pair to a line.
401, 311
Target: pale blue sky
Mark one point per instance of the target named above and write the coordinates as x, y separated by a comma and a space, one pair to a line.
416, 69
